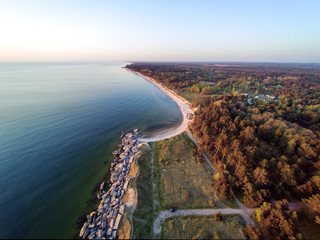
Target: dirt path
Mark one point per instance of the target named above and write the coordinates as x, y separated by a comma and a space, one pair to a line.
154, 192
163, 215
133, 196
245, 214
196, 143
245, 211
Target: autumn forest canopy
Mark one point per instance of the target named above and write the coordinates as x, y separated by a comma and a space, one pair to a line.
260, 125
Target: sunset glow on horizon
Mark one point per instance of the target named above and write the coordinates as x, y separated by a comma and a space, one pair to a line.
271, 31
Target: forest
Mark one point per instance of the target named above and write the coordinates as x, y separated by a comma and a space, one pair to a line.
267, 152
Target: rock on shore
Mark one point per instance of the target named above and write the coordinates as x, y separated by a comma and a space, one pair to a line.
104, 222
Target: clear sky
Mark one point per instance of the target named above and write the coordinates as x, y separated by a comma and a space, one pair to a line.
140, 30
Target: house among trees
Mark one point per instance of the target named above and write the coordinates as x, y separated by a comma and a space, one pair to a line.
266, 97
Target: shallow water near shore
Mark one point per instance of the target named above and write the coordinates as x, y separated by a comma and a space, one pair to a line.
59, 123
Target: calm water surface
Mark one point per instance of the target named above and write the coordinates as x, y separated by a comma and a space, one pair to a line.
59, 123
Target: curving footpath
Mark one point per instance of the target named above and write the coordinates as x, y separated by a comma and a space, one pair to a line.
245, 211
163, 215
197, 144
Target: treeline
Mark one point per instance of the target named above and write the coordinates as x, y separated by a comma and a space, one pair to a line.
260, 79
261, 157
257, 154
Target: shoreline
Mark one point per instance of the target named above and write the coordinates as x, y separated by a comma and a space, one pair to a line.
184, 107
104, 221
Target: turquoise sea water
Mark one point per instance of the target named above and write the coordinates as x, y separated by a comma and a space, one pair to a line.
59, 123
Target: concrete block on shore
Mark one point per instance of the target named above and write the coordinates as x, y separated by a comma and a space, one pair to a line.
125, 186
114, 234
100, 233
106, 200
85, 235
121, 210
115, 213
105, 221
117, 222
102, 185
109, 232
83, 229
104, 225
98, 219
112, 223
90, 226
92, 235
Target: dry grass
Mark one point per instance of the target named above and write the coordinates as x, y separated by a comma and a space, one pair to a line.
124, 230
203, 227
144, 213
125, 198
183, 182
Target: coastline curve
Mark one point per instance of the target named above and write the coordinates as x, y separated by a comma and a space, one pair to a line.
184, 107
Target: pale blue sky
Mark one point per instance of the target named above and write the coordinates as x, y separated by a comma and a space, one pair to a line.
97, 30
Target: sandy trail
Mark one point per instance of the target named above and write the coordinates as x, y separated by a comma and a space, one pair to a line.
184, 106
132, 199
158, 222
196, 143
245, 213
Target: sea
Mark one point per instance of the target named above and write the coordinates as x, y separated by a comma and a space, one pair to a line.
59, 123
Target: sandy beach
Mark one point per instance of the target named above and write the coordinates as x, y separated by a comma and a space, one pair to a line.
183, 104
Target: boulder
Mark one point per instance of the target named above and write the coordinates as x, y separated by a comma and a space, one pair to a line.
111, 223
114, 234
116, 225
92, 235
129, 135
104, 225
109, 232
100, 233
83, 229
102, 186
91, 226
86, 233
121, 210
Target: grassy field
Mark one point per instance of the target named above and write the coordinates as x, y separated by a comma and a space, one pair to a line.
203, 227
189, 96
183, 182
180, 181
144, 213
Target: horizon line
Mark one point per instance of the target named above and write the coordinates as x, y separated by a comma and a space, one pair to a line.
160, 61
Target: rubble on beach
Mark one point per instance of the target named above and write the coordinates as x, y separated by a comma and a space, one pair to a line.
104, 222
